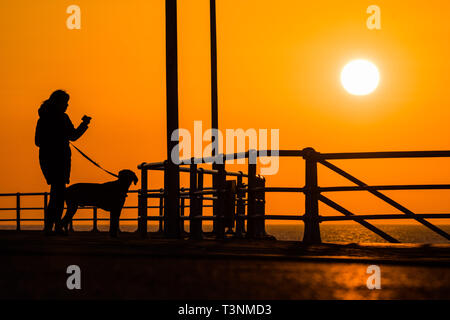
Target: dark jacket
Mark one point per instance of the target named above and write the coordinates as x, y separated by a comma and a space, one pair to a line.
54, 130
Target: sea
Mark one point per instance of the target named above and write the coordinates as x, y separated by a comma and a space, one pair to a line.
334, 233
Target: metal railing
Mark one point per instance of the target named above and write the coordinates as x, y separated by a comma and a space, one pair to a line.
255, 201
241, 205
19, 209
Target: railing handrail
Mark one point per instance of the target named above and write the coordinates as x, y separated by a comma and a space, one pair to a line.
301, 153
227, 157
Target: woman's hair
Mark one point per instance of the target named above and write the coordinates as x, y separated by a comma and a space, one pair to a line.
55, 103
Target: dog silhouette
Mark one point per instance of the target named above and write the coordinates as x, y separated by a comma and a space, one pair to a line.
109, 196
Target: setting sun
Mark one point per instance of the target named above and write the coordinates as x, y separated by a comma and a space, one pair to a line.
360, 77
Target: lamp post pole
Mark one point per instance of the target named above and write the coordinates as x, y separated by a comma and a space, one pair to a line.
214, 102
172, 185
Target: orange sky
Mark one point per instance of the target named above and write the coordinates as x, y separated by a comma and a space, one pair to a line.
278, 68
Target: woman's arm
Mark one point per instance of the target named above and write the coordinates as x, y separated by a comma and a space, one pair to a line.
75, 134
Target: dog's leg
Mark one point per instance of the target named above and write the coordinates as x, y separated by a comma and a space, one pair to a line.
114, 222
71, 210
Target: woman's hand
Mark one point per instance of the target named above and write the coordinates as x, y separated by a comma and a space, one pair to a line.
86, 119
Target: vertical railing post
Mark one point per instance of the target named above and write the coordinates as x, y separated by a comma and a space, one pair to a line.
18, 211
94, 219
171, 200
143, 202
261, 204
230, 205
166, 178
251, 203
240, 207
215, 206
200, 200
161, 209
182, 205
194, 226
71, 225
311, 222
220, 202
45, 209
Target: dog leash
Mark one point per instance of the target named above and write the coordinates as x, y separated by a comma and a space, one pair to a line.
95, 163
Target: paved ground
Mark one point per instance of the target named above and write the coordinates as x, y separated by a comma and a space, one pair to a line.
34, 266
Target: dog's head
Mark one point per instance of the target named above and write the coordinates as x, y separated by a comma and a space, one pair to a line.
128, 176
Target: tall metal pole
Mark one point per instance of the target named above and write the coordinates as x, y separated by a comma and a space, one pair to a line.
214, 100
171, 205
214, 112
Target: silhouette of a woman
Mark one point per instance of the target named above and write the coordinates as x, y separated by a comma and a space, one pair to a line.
54, 130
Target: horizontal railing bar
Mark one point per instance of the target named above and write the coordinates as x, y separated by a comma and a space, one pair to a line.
244, 155
300, 153
199, 192
82, 208
387, 187
154, 195
22, 208
205, 188
322, 218
150, 165
47, 193
186, 196
227, 157
280, 189
75, 219
283, 217
42, 208
136, 207
207, 171
386, 216
277, 217
23, 194
148, 190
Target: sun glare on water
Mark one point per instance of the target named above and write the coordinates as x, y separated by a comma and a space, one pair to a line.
360, 77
